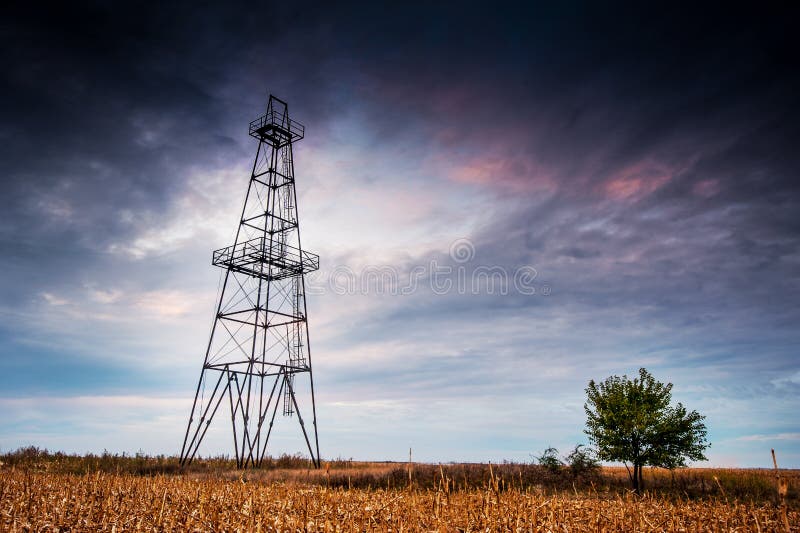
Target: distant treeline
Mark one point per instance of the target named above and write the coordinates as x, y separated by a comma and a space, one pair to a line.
752, 485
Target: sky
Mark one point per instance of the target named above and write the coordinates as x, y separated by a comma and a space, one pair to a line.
508, 201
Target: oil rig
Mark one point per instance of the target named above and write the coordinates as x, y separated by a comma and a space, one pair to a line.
258, 358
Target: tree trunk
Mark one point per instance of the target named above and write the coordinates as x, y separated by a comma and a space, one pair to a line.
641, 481
636, 478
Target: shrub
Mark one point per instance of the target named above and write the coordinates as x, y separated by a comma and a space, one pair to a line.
582, 462
549, 459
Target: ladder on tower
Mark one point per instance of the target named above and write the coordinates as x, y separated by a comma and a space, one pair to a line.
288, 405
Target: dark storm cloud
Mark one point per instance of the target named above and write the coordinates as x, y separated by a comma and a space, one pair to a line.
589, 90
107, 111
110, 104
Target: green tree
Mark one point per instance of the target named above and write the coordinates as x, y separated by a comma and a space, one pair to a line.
631, 421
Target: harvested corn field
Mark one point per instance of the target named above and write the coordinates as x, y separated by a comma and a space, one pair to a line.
43, 501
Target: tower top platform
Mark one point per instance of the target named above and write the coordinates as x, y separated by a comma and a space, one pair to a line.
275, 127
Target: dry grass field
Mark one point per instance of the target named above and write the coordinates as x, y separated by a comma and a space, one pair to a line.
48, 494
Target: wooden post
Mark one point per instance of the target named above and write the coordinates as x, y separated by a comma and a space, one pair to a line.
409, 468
783, 487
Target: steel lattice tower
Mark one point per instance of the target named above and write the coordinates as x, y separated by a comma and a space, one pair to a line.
259, 341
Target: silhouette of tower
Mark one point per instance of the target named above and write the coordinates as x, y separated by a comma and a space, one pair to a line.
259, 341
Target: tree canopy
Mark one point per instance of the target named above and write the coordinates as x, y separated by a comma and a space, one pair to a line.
632, 421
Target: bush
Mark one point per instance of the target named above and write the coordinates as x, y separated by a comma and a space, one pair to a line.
549, 459
582, 462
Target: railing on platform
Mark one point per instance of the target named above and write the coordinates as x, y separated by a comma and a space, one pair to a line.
260, 258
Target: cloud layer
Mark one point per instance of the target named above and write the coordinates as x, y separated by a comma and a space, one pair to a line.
642, 165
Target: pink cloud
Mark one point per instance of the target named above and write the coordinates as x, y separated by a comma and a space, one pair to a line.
637, 181
515, 173
706, 188
486, 171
